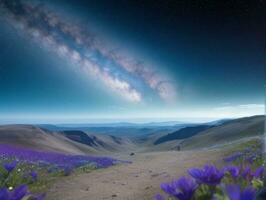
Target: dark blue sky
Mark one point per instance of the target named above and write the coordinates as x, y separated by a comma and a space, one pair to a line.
171, 59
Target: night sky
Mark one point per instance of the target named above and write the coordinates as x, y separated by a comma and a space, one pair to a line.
75, 61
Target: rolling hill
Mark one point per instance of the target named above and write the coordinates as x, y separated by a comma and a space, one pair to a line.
73, 142
104, 140
101, 142
207, 135
36, 138
227, 132
183, 133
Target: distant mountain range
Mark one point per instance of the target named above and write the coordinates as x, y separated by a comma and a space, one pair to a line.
87, 126
130, 137
113, 127
121, 131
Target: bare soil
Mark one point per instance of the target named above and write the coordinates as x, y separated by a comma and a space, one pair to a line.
137, 181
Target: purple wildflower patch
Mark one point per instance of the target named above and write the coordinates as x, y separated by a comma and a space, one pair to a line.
209, 175
241, 180
60, 160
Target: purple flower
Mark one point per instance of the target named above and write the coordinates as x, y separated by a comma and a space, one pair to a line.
19, 192
168, 188
4, 194
209, 175
182, 189
186, 187
259, 172
158, 197
233, 170
9, 167
46, 159
247, 173
34, 175
234, 193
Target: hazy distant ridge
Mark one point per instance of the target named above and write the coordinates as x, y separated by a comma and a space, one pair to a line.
103, 140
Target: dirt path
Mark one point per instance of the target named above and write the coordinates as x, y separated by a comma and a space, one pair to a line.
139, 180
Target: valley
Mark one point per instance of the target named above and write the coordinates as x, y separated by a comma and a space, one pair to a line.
130, 138
154, 154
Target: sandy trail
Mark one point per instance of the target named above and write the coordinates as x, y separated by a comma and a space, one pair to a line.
139, 180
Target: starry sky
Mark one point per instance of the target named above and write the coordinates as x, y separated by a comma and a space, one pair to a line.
83, 60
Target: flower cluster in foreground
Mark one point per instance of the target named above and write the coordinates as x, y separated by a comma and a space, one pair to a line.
239, 179
7, 192
22, 170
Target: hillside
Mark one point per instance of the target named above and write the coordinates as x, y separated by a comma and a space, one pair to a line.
36, 138
73, 142
126, 140
182, 133
101, 142
227, 132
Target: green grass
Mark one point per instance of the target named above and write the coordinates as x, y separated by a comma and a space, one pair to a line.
20, 175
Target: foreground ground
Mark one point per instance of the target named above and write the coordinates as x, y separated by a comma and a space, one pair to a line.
139, 180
